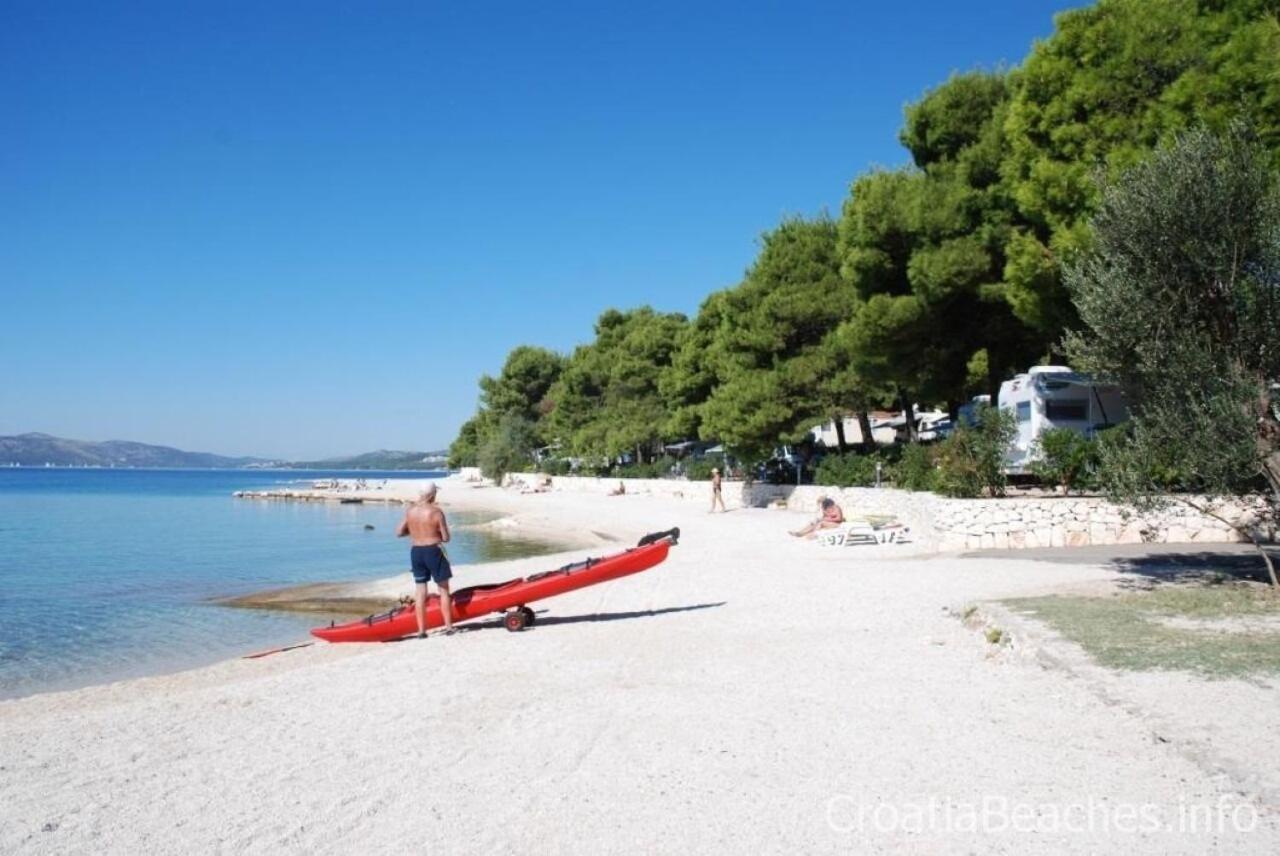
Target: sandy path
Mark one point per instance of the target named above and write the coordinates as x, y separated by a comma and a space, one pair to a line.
677, 710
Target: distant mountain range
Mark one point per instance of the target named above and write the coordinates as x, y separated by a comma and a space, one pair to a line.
383, 459
38, 450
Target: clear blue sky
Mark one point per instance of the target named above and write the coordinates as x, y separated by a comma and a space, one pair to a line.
302, 229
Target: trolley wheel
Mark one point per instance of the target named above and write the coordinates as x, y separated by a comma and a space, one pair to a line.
529, 616
514, 621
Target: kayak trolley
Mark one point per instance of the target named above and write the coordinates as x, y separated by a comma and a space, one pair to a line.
518, 619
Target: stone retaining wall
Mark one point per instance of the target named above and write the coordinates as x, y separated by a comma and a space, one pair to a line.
1078, 522
946, 525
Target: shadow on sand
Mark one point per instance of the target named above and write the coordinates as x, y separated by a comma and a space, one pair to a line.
1239, 563
1148, 565
544, 620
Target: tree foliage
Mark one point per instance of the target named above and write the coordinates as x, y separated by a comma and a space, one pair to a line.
522, 386
1115, 79
607, 400
507, 448
942, 278
1180, 298
519, 391
464, 451
925, 248
769, 369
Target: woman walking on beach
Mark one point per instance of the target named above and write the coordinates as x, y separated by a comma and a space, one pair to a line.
716, 485
428, 531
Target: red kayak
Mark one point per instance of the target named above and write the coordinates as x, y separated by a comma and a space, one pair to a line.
510, 597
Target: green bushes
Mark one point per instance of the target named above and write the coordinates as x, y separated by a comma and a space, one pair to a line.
555, 466
849, 470
509, 448
1066, 459
917, 468
971, 461
661, 468
909, 467
699, 469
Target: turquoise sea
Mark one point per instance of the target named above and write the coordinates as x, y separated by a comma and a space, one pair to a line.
107, 574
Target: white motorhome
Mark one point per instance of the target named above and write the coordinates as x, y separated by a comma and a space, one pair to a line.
1056, 397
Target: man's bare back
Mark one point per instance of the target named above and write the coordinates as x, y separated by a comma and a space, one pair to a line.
427, 528
425, 525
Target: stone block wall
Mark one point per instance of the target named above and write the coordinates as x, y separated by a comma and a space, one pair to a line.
947, 525
970, 524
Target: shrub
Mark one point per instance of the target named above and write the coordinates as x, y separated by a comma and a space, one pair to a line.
555, 466
847, 470
1065, 458
917, 468
699, 469
509, 448
971, 461
661, 468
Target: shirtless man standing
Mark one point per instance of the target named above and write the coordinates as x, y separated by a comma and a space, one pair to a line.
427, 529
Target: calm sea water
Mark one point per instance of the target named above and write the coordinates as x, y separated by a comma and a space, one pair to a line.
106, 574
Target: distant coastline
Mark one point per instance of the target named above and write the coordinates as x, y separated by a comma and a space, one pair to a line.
44, 451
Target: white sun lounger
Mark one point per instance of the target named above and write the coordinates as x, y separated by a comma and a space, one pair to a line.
859, 532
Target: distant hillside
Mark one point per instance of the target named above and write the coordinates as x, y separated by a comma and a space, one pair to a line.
37, 450
383, 459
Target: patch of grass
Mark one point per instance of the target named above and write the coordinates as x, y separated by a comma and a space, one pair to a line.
995, 635
1129, 631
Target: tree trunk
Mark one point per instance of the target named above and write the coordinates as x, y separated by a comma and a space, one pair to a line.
840, 441
909, 415
864, 425
1271, 472
1245, 531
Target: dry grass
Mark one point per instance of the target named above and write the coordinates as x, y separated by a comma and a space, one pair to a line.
1204, 628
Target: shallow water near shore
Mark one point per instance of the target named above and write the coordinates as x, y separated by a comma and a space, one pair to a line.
108, 574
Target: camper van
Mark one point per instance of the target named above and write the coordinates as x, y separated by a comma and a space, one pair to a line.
1056, 397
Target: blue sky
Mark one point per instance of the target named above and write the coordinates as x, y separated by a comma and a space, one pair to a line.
302, 229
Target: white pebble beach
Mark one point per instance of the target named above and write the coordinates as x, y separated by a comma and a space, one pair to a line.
754, 693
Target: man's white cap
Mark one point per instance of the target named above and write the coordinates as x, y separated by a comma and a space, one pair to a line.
431, 487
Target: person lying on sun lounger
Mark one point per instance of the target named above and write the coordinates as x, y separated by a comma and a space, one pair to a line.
831, 517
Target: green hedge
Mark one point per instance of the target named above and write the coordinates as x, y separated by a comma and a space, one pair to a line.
850, 470
971, 461
917, 468
1066, 459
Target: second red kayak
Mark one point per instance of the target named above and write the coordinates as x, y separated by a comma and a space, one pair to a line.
510, 597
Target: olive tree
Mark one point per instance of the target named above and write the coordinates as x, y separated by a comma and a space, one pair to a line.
1180, 302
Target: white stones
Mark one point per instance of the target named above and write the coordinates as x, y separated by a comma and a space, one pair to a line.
1131, 533
1102, 533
